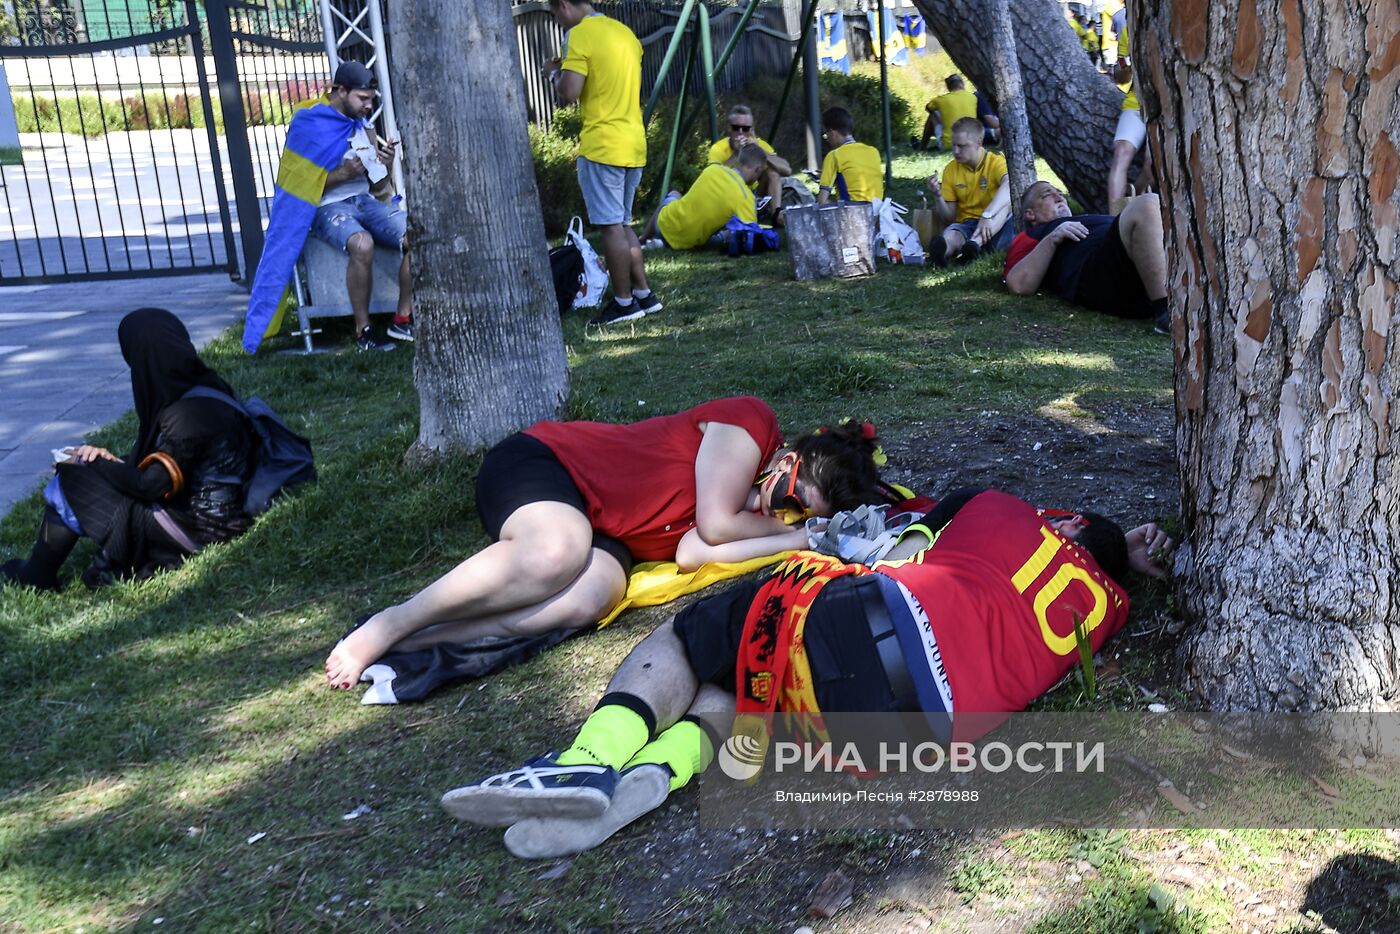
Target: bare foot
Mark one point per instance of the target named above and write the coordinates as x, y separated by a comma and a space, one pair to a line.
356, 652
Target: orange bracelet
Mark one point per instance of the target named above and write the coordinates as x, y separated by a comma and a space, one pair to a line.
177, 479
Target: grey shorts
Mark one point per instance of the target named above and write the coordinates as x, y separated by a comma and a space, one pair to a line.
338, 221
607, 191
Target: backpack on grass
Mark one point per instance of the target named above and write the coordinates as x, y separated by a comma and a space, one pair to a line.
281, 458
566, 267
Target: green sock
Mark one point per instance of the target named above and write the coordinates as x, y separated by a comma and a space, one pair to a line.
684, 747
611, 735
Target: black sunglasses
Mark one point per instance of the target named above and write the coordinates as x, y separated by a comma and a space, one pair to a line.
736, 127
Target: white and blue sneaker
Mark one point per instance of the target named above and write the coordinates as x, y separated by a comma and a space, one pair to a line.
539, 788
640, 790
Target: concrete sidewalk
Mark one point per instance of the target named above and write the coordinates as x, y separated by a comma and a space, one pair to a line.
61, 371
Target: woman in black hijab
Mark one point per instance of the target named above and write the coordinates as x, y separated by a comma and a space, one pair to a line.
180, 488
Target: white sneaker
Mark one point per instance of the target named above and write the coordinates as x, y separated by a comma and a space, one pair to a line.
539, 788
640, 790
655, 243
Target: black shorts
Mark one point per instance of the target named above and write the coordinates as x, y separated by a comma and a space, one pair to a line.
523, 470
1109, 282
846, 671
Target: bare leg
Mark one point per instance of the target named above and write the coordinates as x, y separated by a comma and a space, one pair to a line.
954, 239
597, 589
651, 230
1140, 226
543, 548
658, 672
358, 277
405, 309
1123, 152
618, 256
634, 256
932, 127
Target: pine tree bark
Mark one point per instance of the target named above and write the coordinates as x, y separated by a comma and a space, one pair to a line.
1273, 143
489, 356
1072, 108
1007, 86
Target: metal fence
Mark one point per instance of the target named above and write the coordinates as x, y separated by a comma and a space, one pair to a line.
765, 49
120, 172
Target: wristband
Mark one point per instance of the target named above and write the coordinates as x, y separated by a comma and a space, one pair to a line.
177, 478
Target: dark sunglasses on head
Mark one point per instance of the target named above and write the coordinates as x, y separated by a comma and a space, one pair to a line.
740, 127
785, 495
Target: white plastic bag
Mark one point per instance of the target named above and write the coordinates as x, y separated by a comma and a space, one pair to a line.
895, 240
594, 281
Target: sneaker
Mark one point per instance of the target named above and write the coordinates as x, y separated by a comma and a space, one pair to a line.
967, 253
368, 340
653, 243
16, 571
640, 790
649, 305
539, 788
401, 332
938, 251
612, 313
1163, 324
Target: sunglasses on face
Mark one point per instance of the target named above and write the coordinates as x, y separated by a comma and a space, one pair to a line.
784, 499
741, 127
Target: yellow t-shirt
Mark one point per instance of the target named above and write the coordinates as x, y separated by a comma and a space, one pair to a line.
609, 57
858, 167
952, 107
717, 195
972, 189
721, 151
1125, 50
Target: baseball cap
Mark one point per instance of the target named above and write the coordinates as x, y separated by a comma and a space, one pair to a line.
354, 76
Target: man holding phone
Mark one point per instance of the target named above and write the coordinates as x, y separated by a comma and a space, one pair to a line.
352, 219
741, 132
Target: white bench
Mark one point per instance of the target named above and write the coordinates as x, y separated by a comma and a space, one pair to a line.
320, 284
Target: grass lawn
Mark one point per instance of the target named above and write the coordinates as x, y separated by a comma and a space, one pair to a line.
173, 757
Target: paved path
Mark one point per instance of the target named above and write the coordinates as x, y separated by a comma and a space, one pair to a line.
61, 371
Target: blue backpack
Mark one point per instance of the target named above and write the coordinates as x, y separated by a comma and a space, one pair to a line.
742, 238
281, 459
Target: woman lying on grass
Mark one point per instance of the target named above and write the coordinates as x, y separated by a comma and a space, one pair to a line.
570, 505
180, 488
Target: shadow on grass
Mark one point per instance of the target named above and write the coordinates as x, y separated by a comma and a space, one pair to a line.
1358, 893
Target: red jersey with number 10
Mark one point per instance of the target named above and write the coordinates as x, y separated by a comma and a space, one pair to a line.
1001, 589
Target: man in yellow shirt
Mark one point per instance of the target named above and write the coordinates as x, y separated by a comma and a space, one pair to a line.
688, 221
602, 72
975, 197
1131, 132
742, 132
945, 110
852, 171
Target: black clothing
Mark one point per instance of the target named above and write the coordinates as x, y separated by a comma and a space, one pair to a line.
1062, 277
1109, 281
522, 470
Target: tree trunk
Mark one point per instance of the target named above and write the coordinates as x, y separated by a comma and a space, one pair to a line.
1071, 107
1006, 86
489, 356
1273, 145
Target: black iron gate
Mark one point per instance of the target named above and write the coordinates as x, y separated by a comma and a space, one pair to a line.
130, 144
119, 172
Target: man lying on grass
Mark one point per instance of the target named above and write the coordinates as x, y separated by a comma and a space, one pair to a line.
974, 611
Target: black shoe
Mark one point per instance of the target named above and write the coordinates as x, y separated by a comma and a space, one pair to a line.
649, 305
938, 251
368, 340
613, 313
401, 332
1163, 324
16, 571
969, 252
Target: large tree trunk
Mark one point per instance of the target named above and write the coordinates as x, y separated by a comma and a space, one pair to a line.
490, 352
1271, 130
1072, 108
1008, 88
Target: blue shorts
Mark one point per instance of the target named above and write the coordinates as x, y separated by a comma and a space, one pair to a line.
607, 191
999, 242
338, 221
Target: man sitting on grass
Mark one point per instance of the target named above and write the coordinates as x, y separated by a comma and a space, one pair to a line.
852, 171
946, 110
741, 133
688, 221
975, 196
974, 611
1116, 265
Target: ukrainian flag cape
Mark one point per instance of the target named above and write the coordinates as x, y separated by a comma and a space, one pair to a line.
316, 143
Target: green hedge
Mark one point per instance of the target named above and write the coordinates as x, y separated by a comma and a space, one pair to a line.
93, 115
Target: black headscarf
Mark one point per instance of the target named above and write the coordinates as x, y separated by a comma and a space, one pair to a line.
164, 366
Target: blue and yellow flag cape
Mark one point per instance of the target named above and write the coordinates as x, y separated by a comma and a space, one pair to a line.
831, 42
316, 143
